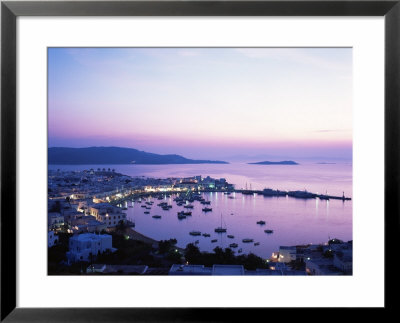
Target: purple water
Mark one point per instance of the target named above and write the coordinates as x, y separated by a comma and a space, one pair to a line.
294, 221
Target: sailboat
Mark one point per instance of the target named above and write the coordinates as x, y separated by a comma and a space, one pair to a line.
246, 191
220, 229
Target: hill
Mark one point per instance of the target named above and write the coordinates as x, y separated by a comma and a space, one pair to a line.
115, 155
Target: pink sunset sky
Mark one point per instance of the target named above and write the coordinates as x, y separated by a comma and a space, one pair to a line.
208, 103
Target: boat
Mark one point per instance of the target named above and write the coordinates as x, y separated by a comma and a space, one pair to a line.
230, 236
130, 205
214, 240
143, 206
156, 216
181, 216
189, 206
247, 240
269, 231
231, 197
146, 212
205, 202
268, 192
261, 222
302, 194
206, 235
206, 209
195, 233
256, 243
220, 229
233, 245
196, 242
187, 213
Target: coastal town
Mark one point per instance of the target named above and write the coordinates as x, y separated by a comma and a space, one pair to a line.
89, 231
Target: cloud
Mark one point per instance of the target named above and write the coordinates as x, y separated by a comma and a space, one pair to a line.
325, 58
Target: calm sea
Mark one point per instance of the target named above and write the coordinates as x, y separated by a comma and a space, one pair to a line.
294, 221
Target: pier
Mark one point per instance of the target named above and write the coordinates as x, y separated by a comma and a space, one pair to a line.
266, 192
296, 194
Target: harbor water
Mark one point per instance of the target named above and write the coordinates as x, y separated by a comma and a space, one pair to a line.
293, 220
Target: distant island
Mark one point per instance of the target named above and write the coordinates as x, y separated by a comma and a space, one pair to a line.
115, 155
284, 162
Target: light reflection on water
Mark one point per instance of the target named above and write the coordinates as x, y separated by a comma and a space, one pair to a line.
294, 221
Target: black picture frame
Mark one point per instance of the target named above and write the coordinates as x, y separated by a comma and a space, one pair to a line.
11, 10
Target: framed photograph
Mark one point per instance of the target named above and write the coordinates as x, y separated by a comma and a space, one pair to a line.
189, 155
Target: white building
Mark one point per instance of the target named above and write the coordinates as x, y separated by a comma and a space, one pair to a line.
55, 220
52, 239
343, 260
86, 246
321, 266
108, 214
287, 254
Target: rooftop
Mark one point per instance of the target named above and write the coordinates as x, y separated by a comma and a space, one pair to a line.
227, 270
89, 236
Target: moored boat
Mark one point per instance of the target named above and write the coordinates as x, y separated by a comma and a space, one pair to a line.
247, 240
220, 229
195, 233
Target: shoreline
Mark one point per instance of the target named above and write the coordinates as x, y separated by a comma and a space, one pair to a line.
135, 235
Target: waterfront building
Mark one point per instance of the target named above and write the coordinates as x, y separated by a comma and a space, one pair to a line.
287, 254
343, 260
87, 224
70, 215
86, 246
321, 266
108, 214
